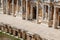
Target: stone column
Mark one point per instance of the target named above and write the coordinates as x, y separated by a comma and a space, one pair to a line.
9, 29
43, 11
55, 18
19, 33
23, 9
12, 7
24, 34
37, 17
9, 7
14, 32
21, 5
4, 6
17, 8
14, 11
26, 9
31, 15
5, 27
49, 12
45, 14
49, 16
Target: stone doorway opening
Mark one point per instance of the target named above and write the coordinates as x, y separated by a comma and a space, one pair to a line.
34, 12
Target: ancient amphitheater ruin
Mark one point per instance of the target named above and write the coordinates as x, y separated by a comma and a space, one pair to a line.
26, 19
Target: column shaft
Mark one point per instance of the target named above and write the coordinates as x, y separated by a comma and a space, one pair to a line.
43, 11
55, 19
4, 6
49, 17
31, 15
37, 17
26, 10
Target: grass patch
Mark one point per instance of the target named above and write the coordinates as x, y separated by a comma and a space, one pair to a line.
4, 35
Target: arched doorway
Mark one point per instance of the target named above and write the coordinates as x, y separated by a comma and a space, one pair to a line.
34, 12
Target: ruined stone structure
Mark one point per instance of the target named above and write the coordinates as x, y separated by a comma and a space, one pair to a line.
11, 7
20, 33
48, 12
40, 11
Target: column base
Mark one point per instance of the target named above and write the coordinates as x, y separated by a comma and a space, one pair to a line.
50, 23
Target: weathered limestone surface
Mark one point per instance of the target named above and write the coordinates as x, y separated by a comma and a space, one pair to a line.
42, 29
